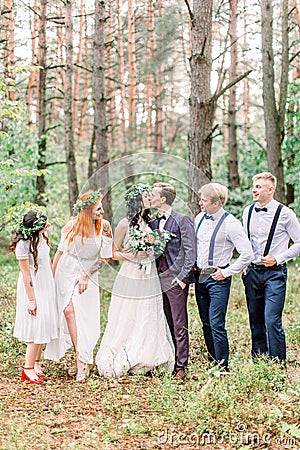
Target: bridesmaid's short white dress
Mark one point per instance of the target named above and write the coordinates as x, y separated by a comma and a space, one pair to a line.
137, 337
43, 327
77, 257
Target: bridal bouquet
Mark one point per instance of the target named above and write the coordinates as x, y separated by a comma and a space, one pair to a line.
152, 242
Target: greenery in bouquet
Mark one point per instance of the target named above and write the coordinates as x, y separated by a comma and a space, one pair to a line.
152, 242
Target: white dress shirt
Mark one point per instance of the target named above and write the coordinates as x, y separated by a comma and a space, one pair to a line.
287, 228
163, 221
231, 235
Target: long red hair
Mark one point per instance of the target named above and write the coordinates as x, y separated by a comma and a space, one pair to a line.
82, 225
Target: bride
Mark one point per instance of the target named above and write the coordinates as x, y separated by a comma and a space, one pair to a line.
137, 337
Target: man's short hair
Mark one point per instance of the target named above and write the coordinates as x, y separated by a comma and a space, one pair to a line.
216, 192
266, 176
168, 191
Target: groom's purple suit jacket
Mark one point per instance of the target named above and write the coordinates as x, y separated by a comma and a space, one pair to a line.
180, 252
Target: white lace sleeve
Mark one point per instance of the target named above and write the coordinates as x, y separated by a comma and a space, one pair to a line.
106, 248
22, 249
61, 245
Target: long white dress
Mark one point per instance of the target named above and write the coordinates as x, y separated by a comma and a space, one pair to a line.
42, 327
76, 258
137, 337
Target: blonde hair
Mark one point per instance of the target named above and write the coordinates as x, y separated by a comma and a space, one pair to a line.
216, 192
266, 176
168, 191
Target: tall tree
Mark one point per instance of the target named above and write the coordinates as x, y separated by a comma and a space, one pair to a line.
232, 127
202, 103
246, 81
42, 105
78, 69
274, 117
121, 69
132, 73
149, 77
102, 175
158, 95
32, 87
68, 107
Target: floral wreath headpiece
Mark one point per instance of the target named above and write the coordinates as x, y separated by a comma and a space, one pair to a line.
38, 224
135, 190
92, 198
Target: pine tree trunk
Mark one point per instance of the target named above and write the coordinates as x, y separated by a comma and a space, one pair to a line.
232, 127
68, 108
159, 93
202, 103
42, 61
149, 77
132, 77
78, 71
273, 120
111, 86
121, 77
246, 91
102, 176
86, 84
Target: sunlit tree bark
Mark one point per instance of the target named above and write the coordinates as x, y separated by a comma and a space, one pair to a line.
42, 105
68, 107
132, 73
202, 103
232, 127
102, 176
274, 117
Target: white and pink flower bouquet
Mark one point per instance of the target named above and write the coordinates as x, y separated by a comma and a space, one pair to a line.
152, 242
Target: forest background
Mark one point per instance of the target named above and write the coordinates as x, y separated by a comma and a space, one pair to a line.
91, 92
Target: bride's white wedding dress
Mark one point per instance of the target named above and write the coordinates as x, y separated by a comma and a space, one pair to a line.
137, 337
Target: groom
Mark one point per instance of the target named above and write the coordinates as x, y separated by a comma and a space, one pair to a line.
175, 269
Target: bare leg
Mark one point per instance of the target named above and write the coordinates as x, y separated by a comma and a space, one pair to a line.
71, 321
37, 365
31, 352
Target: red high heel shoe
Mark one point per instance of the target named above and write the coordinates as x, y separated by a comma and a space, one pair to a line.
39, 374
26, 377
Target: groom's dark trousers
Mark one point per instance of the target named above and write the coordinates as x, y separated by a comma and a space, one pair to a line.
175, 308
177, 262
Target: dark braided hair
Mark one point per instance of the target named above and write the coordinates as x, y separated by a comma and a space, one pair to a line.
28, 222
135, 211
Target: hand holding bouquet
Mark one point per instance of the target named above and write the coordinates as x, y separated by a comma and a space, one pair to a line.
152, 242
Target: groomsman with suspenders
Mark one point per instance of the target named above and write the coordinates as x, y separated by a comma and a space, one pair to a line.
269, 226
218, 234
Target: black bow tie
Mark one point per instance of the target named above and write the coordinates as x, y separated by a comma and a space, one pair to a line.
159, 218
207, 216
260, 209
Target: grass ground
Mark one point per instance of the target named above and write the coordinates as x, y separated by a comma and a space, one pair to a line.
256, 406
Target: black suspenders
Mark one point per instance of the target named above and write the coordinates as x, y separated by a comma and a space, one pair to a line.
272, 229
213, 237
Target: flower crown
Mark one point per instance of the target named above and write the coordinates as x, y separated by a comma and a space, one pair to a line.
92, 198
37, 225
135, 190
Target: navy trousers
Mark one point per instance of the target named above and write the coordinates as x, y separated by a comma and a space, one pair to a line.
212, 300
265, 294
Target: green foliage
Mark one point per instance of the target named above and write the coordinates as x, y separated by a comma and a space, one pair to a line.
18, 161
291, 143
11, 110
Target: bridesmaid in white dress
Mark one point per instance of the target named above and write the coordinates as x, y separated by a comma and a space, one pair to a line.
36, 313
137, 337
84, 240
